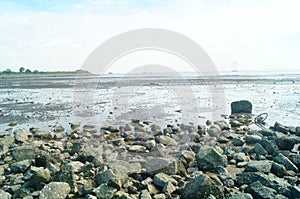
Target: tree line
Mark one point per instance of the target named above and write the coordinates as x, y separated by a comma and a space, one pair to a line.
21, 70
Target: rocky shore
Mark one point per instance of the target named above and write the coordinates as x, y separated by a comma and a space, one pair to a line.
141, 160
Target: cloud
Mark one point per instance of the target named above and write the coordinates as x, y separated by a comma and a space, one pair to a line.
55, 36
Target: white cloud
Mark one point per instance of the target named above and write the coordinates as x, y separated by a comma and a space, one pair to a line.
256, 34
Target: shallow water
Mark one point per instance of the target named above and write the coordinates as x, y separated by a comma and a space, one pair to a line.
44, 102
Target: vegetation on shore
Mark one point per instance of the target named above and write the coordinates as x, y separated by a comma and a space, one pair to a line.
23, 71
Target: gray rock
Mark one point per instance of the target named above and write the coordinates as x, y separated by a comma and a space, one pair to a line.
295, 191
252, 139
278, 169
66, 174
39, 175
127, 167
209, 158
168, 188
22, 135
156, 165
4, 195
240, 196
214, 131
145, 194
159, 196
262, 166
259, 149
166, 140
237, 142
104, 177
295, 158
281, 159
269, 180
222, 124
105, 192
137, 148
23, 153
281, 128
202, 186
23, 192
20, 167
257, 190
162, 179
270, 146
55, 190
285, 143
242, 106
5, 143
240, 157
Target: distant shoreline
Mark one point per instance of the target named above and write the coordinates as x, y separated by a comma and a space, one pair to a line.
45, 74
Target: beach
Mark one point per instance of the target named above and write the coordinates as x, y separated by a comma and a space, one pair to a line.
148, 136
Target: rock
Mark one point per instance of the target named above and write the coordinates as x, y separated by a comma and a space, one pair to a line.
104, 177
267, 132
281, 128
285, 143
209, 159
214, 131
166, 140
156, 165
129, 168
262, 166
269, 180
270, 146
105, 192
295, 158
21, 166
76, 166
22, 135
39, 175
74, 125
252, 139
66, 174
59, 129
295, 191
4, 195
168, 188
257, 190
240, 157
259, 149
297, 131
162, 179
13, 123
281, 159
222, 124
42, 158
145, 194
23, 192
242, 106
159, 196
202, 186
137, 149
23, 153
55, 190
237, 142
240, 196
278, 169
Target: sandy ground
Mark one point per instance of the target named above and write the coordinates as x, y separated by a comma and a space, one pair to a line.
48, 101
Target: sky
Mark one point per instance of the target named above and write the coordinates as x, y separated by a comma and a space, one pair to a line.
59, 35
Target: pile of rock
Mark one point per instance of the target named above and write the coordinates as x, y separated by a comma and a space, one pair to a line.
141, 160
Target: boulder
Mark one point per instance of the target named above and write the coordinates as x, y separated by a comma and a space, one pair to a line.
289, 165
242, 106
257, 190
55, 190
281, 128
285, 143
105, 192
200, 187
21, 166
262, 166
209, 158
